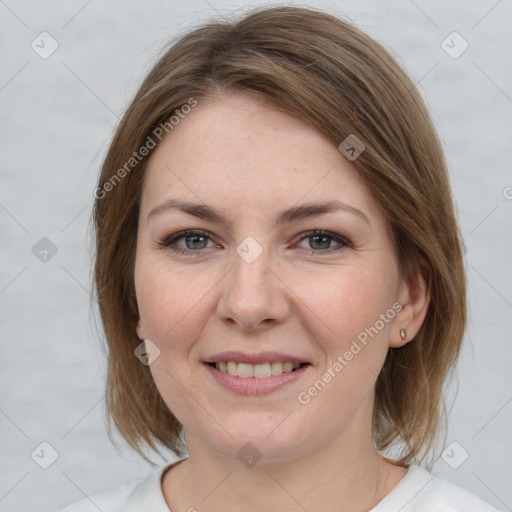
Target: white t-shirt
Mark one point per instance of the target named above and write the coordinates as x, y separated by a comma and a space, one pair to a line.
417, 491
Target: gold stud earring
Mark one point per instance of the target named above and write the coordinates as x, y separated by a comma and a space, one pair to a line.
403, 334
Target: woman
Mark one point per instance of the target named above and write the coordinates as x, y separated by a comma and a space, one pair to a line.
279, 275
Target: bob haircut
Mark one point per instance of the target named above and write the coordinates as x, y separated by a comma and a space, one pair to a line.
340, 81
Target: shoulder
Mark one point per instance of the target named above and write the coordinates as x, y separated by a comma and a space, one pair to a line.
451, 497
420, 491
141, 494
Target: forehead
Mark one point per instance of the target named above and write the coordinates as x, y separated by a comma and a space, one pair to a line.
238, 151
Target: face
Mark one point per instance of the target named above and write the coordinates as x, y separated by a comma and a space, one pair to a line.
272, 316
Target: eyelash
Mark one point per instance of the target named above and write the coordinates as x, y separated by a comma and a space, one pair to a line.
171, 240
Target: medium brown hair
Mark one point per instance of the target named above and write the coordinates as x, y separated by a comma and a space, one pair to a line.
340, 81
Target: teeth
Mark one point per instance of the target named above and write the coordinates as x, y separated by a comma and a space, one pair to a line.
245, 370
287, 367
276, 367
232, 368
260, 371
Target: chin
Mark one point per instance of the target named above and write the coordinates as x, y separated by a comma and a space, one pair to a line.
258, 441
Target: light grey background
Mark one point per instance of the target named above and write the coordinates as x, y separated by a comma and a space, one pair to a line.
57, 117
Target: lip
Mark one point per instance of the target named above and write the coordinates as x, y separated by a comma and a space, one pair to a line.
261, 357
254, 385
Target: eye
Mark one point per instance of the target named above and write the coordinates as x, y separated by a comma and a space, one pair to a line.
320, 241
194, 240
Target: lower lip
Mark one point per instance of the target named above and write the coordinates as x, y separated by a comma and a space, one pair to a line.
254, 385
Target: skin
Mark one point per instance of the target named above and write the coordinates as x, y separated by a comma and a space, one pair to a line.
249, 161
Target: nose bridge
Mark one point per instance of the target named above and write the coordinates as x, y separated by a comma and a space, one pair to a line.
252, 294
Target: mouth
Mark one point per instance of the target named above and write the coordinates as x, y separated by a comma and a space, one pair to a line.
258, 371
255, 374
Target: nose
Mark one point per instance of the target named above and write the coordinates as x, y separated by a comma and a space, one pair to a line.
254, 296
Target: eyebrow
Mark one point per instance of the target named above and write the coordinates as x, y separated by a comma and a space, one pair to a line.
293, 214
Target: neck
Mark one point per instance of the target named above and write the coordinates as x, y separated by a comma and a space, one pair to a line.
338, 476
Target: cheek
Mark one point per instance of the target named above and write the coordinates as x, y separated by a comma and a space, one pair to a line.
346, 303
173, 306
353, 340
171, 300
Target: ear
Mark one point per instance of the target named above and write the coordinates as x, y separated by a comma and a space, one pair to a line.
414, 296
140, 329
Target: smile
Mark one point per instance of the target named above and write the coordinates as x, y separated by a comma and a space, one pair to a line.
259, 371
256, 379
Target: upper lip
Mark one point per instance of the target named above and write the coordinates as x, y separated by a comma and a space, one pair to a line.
261, 357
